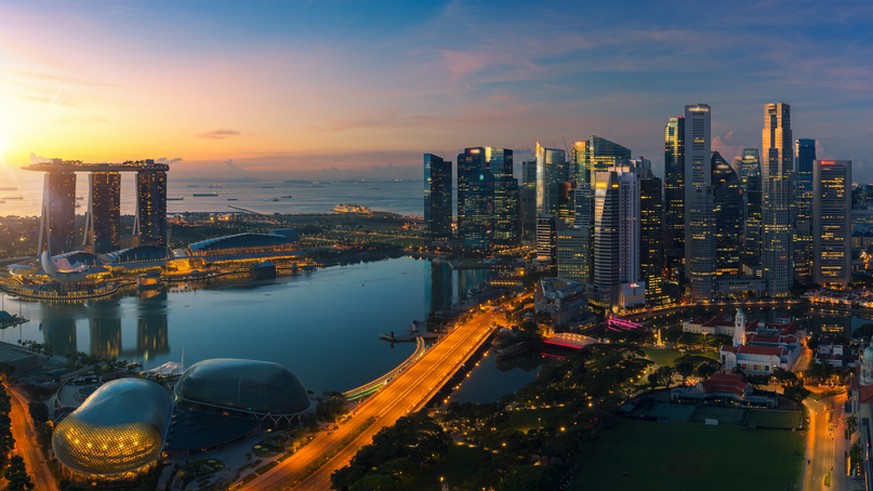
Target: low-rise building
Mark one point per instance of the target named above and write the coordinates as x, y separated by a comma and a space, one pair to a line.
564, 300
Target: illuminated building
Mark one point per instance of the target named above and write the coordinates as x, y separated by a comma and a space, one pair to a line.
750, 180
728, 200
596, 154
700, 251
506, 196
652, 236
117, 433
58, 221
151, 207
264, 390
778, 161
573, 254
528, 201
617, 237
547, 232
831, 222
801, 201
475, 199
437, 198
104, 211
749, 165
551, 171
674, 190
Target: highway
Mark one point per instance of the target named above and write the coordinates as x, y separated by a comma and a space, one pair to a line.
826, 446
409, 392
26, 445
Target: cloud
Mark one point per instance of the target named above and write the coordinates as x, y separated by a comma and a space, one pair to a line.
727, 148
218, 134
165, 160
231, 166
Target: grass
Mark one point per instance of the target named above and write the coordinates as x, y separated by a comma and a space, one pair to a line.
774, 419
655, 456
724, 415
673, 412
525, 420
458, 464
666, 357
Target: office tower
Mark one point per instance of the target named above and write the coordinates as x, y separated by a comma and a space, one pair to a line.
831, 222
750, 165
104, 211
58, 220
752, 240
528, 198
778, 161
475, 199
700, 257
652, 259
572, 254
674, 191
506, 196
583, 220
728, 200
547, 230
150, 224
597, 154
437, 198
617, 238
566, 202
801, 201
551, 171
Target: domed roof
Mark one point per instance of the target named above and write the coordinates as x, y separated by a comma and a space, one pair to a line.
868, 354
119, 429
254, 386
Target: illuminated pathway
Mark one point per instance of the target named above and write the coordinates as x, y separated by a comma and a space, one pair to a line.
26, 446
409, 392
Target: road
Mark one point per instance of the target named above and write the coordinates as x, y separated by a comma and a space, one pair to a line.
825, 452
408, 393
26, 445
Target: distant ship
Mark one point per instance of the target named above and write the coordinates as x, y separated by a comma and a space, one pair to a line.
350, 208
193, 185
215, 186
13, 197
8, 188
175, 198
287, 196
232, 199
203, 195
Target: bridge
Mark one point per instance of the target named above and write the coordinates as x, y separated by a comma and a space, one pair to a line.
374, 385
311, 466
570, 340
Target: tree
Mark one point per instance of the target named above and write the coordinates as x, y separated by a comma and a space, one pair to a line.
685, 369
374, 482
663, 376
17, 476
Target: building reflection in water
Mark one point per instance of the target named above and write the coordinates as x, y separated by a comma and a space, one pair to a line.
152, 336
445, 286
58, 328
105, 323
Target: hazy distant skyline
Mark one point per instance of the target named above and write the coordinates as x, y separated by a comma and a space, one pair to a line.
328, 89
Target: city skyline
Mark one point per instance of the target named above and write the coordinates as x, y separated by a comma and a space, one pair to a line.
232, 90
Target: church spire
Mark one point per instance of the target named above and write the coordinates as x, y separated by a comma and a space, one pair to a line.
740, 328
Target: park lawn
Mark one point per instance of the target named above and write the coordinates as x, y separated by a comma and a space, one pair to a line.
458, 463
774, 419
652, 456
665, 357
525, 420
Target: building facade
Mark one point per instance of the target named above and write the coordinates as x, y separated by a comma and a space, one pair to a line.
150, 224
506, 197
528, 201
437, 198
728, 199
700, 251
778, 162
552, 170
58, 220
801, 201
104, 211
831, 222
475, 199
674, 191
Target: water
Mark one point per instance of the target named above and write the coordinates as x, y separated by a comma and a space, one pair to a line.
323, 326
404, 197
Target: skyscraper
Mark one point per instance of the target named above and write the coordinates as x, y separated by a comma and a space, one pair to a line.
150, 224
652, 261
547, 242
831, 222
437, 198
104, 211
58, 219
801, 201
674, 191
776, 145
551, 171
750, 165
475, 199
617, 238
528, 199
728, 200
506, 196
700, 259
572, 254
596, 154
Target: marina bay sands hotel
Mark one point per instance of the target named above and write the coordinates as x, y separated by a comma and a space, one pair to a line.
58, 221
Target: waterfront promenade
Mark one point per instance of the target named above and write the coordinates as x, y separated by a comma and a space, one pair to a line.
312, 466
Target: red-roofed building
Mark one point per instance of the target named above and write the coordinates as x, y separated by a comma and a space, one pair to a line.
724, 386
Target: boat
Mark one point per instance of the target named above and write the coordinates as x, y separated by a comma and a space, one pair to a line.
204, 195
193, 185
79, 198
215, 186
13, 197
175, 198
287, 196
232, 199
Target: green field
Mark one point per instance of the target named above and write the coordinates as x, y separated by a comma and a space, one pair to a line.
644, 455
666, 356
724, 415
774, 419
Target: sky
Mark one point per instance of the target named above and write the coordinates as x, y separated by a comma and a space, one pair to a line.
333, 89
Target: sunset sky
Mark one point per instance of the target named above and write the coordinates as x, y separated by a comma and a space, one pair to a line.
334, 88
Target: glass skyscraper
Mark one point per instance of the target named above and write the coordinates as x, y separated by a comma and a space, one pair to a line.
475, 199
674, 190
831, 229
58, 221
506, 196
104, 211
778, 155
728, 199
151, 207
801, 201
437, 198
700, 249
551, 172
